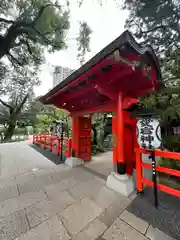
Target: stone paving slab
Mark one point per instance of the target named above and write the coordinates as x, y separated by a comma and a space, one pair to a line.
13, 225
79, 175
121, 230
21, 159
41, 211
105, 197
79, 215
100, 160
14, 204
51, 229
156, 234
30, 182
30, 186
86, 189
92, 231
135, 222
64, 199
95, 229
110, 214
56, 189
8, 192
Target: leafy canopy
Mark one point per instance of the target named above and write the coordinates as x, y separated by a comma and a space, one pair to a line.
158, 23
17, 92
83, 41
28, 27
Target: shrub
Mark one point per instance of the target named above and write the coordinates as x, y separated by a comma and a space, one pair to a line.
20, 131
169, 163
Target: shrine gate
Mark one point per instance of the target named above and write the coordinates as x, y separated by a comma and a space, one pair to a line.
111, 81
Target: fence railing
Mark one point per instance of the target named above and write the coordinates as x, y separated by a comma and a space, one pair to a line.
54, 143
140, 181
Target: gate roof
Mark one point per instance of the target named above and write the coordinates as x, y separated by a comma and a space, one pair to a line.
123, 66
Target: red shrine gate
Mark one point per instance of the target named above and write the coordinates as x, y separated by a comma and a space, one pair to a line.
111, 81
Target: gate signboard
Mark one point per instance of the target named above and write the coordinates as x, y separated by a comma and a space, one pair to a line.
149, 137
149, 133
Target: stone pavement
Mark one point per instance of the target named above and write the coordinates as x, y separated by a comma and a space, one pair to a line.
18, 158
56, 202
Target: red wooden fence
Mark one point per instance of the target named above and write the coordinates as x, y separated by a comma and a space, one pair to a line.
140, 181
53, 143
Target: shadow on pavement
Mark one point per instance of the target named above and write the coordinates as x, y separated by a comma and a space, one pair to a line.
166, 218
53, 157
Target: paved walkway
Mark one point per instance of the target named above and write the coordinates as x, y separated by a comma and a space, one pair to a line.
42, 201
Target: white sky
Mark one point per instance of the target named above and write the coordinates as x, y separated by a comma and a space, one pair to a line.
106, 22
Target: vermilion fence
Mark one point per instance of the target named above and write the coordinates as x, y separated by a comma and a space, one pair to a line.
140, 181
54, 143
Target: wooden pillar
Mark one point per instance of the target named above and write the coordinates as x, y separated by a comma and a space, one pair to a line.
81, 137
114, 140
121, 167
75, 134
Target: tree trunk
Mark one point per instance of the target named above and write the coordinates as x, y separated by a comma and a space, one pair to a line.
9, 132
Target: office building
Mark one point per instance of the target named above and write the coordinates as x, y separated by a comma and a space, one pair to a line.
60, 73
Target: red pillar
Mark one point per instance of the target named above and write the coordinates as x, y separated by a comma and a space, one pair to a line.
81, 137
75, 134
121, 168
114, 139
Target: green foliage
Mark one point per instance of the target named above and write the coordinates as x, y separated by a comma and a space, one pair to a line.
101, 130
157, 23
83, 41
37, 24
49, 114
20, 131
169, 163
17, 88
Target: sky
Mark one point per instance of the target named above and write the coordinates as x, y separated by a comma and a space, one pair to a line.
106, 22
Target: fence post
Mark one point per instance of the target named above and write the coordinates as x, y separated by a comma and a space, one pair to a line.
50, 144
139, 174
69, 147
45, 141
58, 145
33, 139
40, 139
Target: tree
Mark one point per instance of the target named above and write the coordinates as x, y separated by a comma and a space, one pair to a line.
34, 26
158, 23
18, 90
101, 130
49, 114
83, 41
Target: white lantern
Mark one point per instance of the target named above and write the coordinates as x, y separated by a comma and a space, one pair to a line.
149, 133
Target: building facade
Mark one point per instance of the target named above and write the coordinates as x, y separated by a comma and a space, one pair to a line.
60, 73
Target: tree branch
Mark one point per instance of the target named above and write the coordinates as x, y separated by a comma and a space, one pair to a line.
18, 109
153, 29
42, 10
46, 40
33, 39
24, 42
5, 104
6, 21
14, 59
